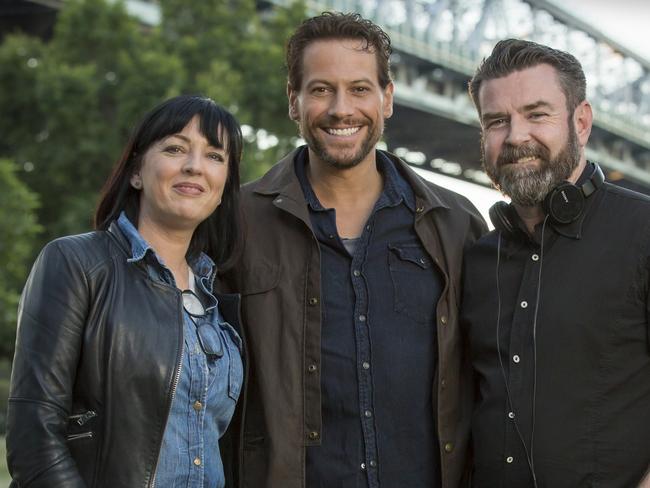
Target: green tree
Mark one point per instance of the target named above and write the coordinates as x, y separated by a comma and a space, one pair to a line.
234, 53
18, 227
69, 104
72, 102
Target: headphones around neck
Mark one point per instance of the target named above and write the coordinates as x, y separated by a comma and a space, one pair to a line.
563, 204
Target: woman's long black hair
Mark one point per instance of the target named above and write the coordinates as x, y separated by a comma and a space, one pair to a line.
219, 236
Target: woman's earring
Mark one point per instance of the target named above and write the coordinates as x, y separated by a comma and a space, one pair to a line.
137, 184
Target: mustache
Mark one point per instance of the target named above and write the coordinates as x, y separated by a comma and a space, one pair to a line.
510, 154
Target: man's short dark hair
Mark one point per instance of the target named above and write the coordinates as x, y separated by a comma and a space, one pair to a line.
512, 55
336, 25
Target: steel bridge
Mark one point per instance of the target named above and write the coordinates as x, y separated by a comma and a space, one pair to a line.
439, 43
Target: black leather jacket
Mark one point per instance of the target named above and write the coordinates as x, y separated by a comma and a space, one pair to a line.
97, 354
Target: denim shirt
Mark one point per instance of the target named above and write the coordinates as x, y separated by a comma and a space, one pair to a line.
378, 346
207, 389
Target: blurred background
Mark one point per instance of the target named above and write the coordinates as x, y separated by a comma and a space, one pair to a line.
75, 76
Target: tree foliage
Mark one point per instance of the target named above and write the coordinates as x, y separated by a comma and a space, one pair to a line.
235, 54
18, 227
70, 103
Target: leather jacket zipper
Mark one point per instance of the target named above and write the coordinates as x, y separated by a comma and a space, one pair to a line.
82, 418
177, 377
75, 437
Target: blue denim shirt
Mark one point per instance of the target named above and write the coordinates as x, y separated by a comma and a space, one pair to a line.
207, 389
378, 346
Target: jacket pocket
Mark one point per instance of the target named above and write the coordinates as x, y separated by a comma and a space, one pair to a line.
415, 285
259, 277
81, 438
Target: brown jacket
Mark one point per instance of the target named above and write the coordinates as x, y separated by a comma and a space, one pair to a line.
279, 280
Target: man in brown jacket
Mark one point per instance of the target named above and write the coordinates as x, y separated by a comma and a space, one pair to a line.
349, 284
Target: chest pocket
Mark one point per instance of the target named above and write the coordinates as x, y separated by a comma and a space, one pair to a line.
416, 287
259, 278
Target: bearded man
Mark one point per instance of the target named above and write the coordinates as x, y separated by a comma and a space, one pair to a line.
555, 299
349, 282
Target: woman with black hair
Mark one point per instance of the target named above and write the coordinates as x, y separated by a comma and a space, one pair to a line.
128, 365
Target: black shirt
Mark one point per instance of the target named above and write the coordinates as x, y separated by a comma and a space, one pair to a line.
576, 361
378, 346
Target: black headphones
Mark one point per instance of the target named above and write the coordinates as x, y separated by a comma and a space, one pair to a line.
563, 204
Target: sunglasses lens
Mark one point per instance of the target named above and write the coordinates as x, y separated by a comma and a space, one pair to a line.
210, 343
192, 304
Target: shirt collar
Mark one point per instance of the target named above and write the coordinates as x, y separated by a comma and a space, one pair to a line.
202, 267
396, 189
139, 247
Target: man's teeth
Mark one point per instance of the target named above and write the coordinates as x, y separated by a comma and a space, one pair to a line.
526, 159
343, 132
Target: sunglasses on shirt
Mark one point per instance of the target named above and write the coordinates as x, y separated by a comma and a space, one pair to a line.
194, 307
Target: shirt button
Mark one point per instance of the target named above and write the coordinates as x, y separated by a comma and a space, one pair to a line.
368, 227
278, 200
362, 318
443, 320
511, 415
363, 466
365, 365
516, 358
535, 257
368, 413
197, 461
312, 368
313, 301
372, 464
419, 209
509, 459
449, 447
197, 405
356, 272
443, 383
524, 304
331, 236
314, 436
422, 261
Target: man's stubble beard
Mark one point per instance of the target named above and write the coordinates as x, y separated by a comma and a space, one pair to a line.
375, 132
528, 185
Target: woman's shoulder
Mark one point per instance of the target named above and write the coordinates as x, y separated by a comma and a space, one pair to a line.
88, 250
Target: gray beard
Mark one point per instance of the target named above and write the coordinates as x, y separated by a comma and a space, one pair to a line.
527, 186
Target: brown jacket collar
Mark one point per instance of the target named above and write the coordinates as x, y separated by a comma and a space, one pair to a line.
282, 180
